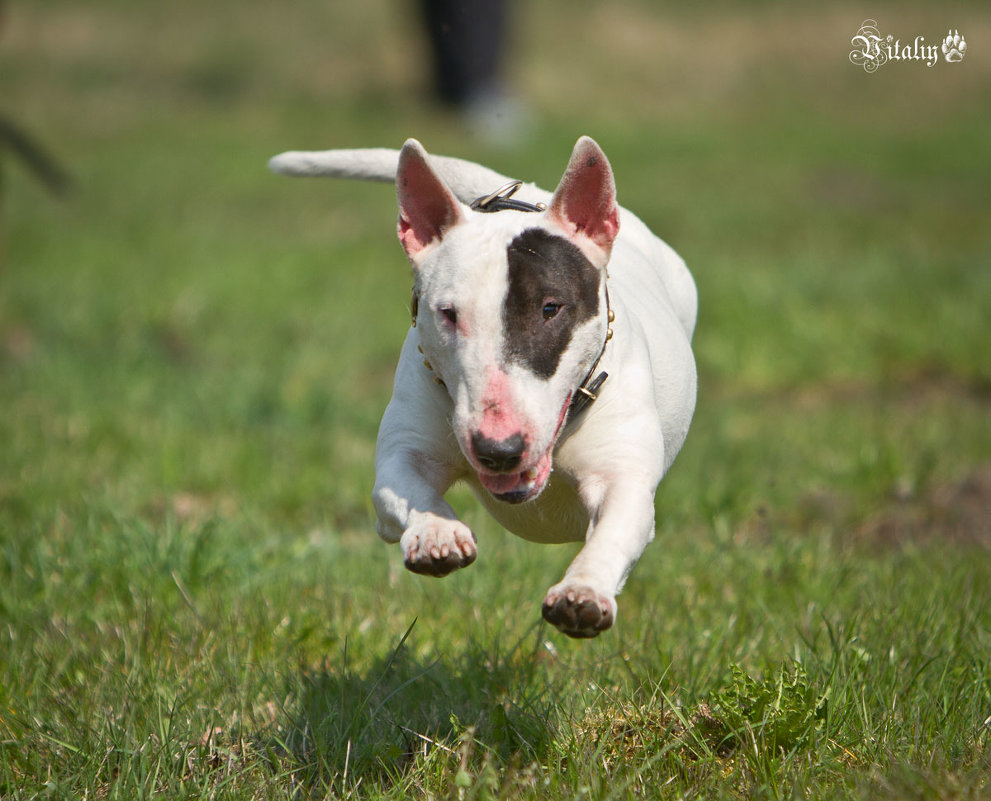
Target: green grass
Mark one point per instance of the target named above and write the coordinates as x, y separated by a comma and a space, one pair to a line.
194, 356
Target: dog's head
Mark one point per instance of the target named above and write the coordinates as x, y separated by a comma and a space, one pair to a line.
511, 311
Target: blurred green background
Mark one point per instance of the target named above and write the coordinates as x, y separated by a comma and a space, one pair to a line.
836, 223
194, 353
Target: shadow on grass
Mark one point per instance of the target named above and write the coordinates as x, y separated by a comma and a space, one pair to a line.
374, 727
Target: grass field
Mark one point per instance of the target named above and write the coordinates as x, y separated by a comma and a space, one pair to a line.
194, 355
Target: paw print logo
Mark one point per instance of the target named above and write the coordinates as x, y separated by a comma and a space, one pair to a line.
954, 47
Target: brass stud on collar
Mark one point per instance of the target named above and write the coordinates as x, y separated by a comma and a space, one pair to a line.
426, 363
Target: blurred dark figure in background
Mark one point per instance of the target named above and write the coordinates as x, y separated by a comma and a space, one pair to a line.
467, 40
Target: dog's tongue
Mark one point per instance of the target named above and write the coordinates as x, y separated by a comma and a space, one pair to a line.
501, 484
526, 482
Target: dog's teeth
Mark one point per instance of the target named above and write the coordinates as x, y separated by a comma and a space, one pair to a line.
530, 475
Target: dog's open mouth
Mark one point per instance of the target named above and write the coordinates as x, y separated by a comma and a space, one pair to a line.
526, 484
519, 487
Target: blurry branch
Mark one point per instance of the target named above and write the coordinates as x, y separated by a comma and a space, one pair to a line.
15, 140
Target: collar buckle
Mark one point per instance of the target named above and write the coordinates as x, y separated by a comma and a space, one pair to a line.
586, 394
502, 200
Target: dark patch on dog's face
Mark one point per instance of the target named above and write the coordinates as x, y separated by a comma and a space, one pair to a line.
553, 289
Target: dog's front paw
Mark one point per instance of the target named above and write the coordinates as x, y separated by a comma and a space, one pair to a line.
438, 547
578, 610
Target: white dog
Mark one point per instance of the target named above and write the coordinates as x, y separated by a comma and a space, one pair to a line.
524, 304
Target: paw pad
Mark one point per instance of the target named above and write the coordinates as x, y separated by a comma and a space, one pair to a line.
578, 611
438, 548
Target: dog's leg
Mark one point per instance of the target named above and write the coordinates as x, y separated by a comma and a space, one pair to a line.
583, 603
408, 497
416, 461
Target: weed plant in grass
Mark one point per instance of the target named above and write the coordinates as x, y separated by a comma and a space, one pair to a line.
194, 356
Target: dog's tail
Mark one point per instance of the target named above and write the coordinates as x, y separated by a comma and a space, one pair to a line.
465, 179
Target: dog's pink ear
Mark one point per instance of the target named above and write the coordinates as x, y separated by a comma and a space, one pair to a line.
427, 209
584, 203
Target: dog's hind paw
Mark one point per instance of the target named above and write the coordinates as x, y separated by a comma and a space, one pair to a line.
438, 547
578, 610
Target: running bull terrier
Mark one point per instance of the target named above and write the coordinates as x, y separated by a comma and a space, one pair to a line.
524, 303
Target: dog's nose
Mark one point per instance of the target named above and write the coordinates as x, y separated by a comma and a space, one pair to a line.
498, 455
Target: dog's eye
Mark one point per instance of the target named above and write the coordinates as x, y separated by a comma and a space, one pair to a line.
551, 309
450, 314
